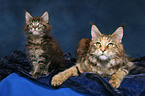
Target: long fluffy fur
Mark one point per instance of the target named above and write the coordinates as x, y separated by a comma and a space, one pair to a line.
43, 50
104, 56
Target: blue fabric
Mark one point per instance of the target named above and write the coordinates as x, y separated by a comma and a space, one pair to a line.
15, 85
86, 84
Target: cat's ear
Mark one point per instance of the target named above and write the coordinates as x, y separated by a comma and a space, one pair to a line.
45, 17
28, 17
95, 32
118, 34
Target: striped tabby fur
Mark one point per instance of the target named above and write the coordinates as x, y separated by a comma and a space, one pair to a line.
105, 56
44, 51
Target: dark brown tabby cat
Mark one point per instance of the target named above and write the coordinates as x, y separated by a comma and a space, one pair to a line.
44, 51
105, 56
82, 49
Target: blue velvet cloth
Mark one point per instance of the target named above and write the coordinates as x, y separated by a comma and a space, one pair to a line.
15, 85
86, 84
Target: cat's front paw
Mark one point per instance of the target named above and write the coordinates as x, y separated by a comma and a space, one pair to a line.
115, 82
57, 80
36, 75
39, 74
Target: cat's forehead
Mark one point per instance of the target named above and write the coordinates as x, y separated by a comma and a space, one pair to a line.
103, 38
36, 19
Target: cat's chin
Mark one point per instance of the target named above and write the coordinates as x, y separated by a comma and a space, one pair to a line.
103, 57
36, 33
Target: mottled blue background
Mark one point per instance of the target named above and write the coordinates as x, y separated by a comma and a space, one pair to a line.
70, 22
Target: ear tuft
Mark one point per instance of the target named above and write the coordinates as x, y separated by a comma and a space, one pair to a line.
95, 32
118, 34
45, 17
28, 17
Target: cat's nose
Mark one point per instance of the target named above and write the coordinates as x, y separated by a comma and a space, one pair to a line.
103, 49
35, 27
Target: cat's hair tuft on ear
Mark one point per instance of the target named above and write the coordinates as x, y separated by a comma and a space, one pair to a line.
118, 34
45, 17
28, 17
95, 32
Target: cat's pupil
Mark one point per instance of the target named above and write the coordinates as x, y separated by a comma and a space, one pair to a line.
110, 44
98, 44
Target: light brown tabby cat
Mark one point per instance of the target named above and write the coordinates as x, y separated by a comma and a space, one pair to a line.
105, 56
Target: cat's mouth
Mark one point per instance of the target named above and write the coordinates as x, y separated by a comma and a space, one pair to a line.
35, 33
103, 57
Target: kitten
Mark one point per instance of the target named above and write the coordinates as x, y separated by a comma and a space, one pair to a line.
43, 50
105, 56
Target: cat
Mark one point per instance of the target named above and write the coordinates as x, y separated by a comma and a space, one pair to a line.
44, 52
105, 56
82, 49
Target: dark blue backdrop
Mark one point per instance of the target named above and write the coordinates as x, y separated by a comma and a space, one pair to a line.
70, 22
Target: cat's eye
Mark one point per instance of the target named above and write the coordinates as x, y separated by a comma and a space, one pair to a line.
30, 25
98, 44
40, 25
37, 26
110, 44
